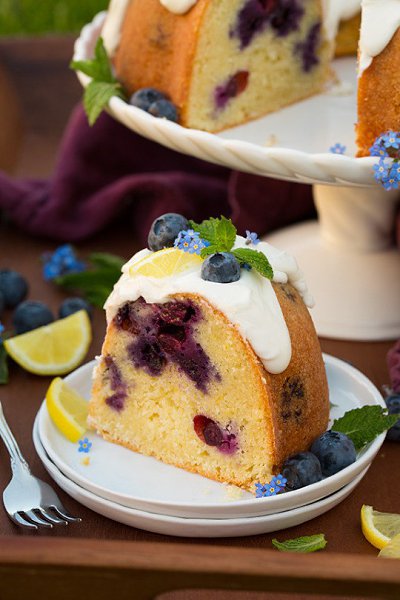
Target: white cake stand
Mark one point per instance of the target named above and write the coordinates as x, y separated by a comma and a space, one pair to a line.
349, 258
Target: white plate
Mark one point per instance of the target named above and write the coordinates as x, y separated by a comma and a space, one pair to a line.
137, 481
304, 132
182, 527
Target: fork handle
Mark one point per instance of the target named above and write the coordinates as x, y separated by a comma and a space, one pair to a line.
17, 459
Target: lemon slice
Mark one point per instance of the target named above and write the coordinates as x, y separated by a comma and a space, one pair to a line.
67, 409
54, 349
165, 263
392, 550
379, 528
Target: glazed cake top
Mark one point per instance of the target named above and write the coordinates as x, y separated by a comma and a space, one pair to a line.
250, 303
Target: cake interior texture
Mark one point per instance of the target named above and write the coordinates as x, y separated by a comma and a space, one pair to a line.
225, 62
178, 382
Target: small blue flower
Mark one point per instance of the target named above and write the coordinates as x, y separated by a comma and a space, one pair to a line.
337, 149
62, 261
190, 241
252, 238
2, 328
391, 139
381, 170
276, 485
84, 445
378, 150
279, 481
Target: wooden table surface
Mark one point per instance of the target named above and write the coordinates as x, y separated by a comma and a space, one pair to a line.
99, 556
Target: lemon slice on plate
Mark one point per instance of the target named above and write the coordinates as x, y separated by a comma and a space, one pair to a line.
379, 528
67, 409
54, 349
392, 550
165, 263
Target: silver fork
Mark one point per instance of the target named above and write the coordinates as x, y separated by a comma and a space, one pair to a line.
29, 501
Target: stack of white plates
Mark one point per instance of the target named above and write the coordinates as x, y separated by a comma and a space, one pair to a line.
143, 492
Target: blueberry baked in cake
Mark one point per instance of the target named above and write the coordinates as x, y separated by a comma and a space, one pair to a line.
211, 361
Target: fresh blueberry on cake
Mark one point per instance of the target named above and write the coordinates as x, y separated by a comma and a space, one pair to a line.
220, 376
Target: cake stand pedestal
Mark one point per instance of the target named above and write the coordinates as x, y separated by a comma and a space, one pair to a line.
349, 258
351, 265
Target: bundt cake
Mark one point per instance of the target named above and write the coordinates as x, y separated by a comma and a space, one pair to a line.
222, 379
221, 63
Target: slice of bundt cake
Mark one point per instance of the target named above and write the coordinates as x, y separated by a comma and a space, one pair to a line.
209, 366
221, 63
379, 72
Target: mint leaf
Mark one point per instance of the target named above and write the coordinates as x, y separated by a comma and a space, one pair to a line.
97, 96
363, 425
305, 544
257, 260
99, 67
221, 233
103, 85
106, 260
3, 365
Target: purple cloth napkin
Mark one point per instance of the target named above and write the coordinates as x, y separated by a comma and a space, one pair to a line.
107, 170
393, 361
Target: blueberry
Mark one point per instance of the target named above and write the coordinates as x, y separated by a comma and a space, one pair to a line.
72, 305
13, 287
221, 268
165, 229
145, 97
393, 404
164, 109
335, 451
2, 303
31, 315
301, 469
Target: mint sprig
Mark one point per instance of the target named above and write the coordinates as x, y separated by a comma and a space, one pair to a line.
103, 86
305, 544
97, 282
255, 259
221, 236
220, 233
363, 425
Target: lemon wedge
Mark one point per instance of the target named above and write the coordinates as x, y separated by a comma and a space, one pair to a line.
67, 409
165, 263
379, 528
54, 349
392, 550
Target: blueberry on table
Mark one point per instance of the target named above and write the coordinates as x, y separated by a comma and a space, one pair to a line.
164, 109
30, 315
145, 97
221, 267
13, 287
393, 404
165, 230
73, 305
300, 470
335, 451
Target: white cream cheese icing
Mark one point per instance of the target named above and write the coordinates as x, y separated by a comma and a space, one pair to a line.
250, 303
111, 32
380, 21
178, 7
335, 11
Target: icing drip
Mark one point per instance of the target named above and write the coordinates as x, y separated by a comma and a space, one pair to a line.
335, 11
380, 21
111, 33
178, 7
250, 303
